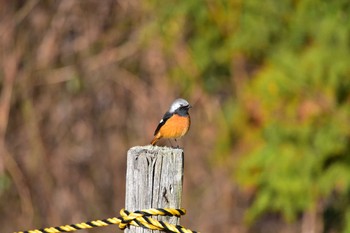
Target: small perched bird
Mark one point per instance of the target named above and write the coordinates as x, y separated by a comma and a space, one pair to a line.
175, 122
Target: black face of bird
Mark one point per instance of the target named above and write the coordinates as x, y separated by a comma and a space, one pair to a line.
183, 110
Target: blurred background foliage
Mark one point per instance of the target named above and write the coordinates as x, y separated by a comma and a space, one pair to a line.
83, 81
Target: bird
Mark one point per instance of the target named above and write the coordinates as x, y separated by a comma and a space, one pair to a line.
175, 122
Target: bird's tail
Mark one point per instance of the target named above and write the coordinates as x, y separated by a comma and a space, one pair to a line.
155, 139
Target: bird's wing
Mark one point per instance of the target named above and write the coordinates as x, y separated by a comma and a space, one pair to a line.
166, 116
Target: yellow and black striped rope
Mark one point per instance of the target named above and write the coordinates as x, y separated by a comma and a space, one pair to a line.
140, 218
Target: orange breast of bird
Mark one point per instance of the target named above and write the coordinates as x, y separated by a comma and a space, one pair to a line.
175, 127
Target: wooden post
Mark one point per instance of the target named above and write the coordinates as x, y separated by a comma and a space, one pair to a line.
154, 180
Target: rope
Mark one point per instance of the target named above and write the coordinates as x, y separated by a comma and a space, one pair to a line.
139, 218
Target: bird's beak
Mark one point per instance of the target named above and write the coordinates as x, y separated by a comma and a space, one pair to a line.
189, 106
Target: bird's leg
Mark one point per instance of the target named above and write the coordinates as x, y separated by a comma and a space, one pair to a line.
170, 142
177, 145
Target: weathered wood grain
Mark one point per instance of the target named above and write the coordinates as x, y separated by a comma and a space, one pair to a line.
154, 180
